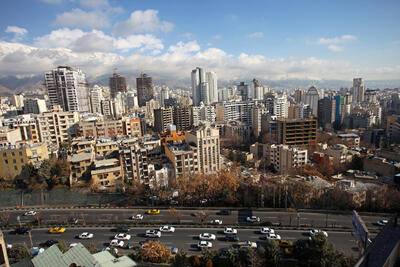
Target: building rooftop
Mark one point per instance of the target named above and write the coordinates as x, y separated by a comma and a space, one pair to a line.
179, 147
105, 163
25, 146
80, 157
105, 170
348, 135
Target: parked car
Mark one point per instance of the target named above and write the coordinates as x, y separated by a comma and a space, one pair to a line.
273, 236
137, 217
267, 230
50, 242
174, 250
85, 235
206, 236
248, 244
232, 238
153, 233
382, 222
315, 231
167, 229
30, 213
117, 243
73, 245
229, 230
122, 236
204, 244
216, 221
253, 219
36, 251
21, 230
173, 202
203, 201
123, 229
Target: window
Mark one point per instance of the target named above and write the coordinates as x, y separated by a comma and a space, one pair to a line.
22, 160
16, 168
6, 161
13, 153
4, 154
14, 161
20, 153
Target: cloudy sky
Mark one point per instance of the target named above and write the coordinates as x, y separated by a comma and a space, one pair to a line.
237, 39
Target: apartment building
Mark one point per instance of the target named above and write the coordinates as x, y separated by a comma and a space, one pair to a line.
131, 127
105, 146
284, 157
206, 141
13, 158
162, 118
9, 136
34, 105
295, 132
134, 162
182, 118
107, 173
183, 158
80, 165
27, 125
172, 136
106, 128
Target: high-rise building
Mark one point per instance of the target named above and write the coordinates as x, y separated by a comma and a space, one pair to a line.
339, 110
198, 78
117, 84
312, 98
34, 105
358, 90
17, 101
203, 113
205, 140
211, 78
284, 157
164, 95
182, 118
243, 90
96, 96
326, 112
281, 107
145, 89
68, 88
299, 96
295, 132
162, 118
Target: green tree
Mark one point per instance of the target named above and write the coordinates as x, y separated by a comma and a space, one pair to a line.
180, 260
62, 246
17, 253
272, 253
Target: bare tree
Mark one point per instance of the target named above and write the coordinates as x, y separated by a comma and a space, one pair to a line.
203, 215
5, 217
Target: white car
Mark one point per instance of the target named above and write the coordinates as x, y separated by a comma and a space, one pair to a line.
204, 244
273, 237
206, 236
229, 230
117, 243
216, 221
30, 213
382, 222
167, 229
85, 235
248, 244
73, 245
122, 236
315, 231
153, 233
137, 217
108, 249
253, 219
266, 230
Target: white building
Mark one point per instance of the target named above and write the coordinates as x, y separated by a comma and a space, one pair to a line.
198, 77
164, 94
34, 105
281, 106
211, 78
17, 101
358, 90
284, 157
96, 96
203, 113
312, 98
68, 88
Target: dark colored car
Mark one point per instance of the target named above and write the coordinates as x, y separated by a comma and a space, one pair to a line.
22, 230
50, 242
225, 212
232, 238
123, 229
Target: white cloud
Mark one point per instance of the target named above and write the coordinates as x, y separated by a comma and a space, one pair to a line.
17, 31
142, 21
217, 37
97, 41
83, 19
177, 61
335, 48
336, 40
94, 3
256, 35
53, 2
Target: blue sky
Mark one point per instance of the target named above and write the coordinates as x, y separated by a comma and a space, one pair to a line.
237, 39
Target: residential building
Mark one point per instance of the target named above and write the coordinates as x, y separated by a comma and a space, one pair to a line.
300, 96
9, 136
280, 108
211, 78
145, 89
256, 113
172, 136
183, 158
107, 173
295, 132
182, 118
340, 153
105, 128
203, 113
326, 112
13, 158
117, 84
199, 87
27, 125
68, 88
206, 141
243, 90
105, 146
131, 126
80, 165
96, 97
312, 98
284, 157
162, 118
134, 162
17, 101
358, 90
34, 106
164, 95
351, 140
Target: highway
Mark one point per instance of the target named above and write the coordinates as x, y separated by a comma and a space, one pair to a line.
183, 238
110, 215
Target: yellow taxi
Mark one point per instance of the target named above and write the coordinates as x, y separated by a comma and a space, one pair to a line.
57, 230
153, 211
284, 243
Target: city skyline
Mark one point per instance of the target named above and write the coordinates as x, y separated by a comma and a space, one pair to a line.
271, 41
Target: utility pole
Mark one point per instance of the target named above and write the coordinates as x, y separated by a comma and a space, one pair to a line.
30, 238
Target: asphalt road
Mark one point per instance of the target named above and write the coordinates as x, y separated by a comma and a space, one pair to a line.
109, 215
183, 238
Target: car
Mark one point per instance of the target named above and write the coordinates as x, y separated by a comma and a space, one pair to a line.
9, 246
253, 219
36, 251
229, 230
117, 243
57, 230
284, 243
174, 251
153, 233
225, 212
382, 222
123, 229
204, 244
173, 202
73, 245
203, 201
50, 242
273, 236
232, 238
315, 231
22, 230
153, 211
167, 229
137, 217
108, 249
85, 235
153, 197
248, 244
206, 236
30, 213
266, 230
216, 221
122, 236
